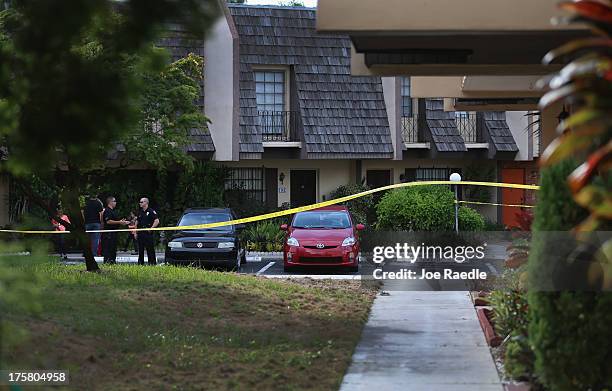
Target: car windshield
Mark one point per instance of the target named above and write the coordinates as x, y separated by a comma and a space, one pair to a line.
327, 220
206, 218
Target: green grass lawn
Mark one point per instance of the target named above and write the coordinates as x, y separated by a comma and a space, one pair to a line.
160, 328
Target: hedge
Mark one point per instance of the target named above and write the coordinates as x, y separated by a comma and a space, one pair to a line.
569, 331
424, 208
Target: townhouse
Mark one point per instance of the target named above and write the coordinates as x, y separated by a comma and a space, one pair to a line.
292, 124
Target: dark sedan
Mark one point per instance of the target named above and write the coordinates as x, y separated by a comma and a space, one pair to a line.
219, 246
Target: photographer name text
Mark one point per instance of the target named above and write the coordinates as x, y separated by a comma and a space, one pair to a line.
424, 274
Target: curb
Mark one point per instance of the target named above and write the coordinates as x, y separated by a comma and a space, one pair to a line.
492, 338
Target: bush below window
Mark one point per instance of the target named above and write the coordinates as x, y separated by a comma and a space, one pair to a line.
470, 220
264, 236
362, 208
424, 208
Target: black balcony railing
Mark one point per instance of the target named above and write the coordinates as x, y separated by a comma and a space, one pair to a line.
410, 129
279, 125
467, 126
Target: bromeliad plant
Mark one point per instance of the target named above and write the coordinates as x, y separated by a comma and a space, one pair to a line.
585, 83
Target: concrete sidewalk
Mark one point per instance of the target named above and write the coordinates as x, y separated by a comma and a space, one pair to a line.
422, 340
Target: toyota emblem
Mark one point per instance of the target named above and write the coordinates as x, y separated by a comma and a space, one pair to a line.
199, 245
320, 245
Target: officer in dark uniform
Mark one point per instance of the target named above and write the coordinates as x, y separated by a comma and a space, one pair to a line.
111, 222
147, 218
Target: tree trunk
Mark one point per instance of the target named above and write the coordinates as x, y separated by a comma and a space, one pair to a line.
70, 201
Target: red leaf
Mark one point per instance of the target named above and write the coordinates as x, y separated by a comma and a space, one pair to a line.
589, 9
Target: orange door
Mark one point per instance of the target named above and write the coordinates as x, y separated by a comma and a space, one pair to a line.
512, 196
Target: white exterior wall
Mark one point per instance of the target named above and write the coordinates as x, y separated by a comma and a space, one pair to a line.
391, 94
219, 88
518, 122
334, 173
330, 174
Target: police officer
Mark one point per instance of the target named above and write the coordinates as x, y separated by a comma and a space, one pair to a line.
147, 218
111, 222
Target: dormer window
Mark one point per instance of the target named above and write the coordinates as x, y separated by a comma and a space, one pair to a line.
276, 122
270, 90
405, 97
408, 117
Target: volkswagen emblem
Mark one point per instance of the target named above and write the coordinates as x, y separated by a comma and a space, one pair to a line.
320, 245
199, 245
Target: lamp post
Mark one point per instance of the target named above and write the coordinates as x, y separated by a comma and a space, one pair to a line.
455, 177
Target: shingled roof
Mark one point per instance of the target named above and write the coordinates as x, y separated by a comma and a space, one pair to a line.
443, 128
180, 45
499, 132
343, 116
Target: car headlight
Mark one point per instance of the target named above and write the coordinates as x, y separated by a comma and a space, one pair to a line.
175, 244
349, 241
293, 242
225, 245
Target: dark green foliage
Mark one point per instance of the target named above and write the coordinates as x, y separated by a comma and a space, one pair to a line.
424, 208
569, 332
126, 186
470, 220
510, 312
20, 290
556, 209
244, 204
518, 358
167, 110
571, 339
493, 226
511, 319
477, 172
362, 208
420, 208
201, 187
264, 235
65, 95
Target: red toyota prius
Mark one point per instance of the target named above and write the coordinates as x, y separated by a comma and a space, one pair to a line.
322, 237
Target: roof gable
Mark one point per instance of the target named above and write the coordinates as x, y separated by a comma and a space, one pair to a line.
343, 116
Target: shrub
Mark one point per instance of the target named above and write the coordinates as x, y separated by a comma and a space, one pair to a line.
470, 220
518, 358
569, 331
265, 235
510, 311
420, 208
424, 208
363, 208
511, 319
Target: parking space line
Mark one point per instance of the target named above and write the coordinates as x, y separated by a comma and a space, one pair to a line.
263, 269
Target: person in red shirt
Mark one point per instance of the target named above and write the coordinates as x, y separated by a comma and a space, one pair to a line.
59, 238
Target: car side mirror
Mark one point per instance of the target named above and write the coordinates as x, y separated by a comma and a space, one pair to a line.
284, 227
360, 227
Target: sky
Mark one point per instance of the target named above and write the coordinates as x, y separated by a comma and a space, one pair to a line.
307, 3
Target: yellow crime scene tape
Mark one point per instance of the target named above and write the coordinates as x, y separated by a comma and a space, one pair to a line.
492, 203
298, 209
